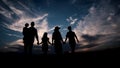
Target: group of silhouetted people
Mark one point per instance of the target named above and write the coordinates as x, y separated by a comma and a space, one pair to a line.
30, 33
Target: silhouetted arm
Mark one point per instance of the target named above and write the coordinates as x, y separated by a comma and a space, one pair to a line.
61, 37
41, 42
37, 37
23, 32
66, 37
62, 40
49, 41
76, 38
52, 39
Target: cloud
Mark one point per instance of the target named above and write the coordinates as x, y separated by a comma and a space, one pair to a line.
19, 24
16, 42
94, 22
14, 35
5, 12
42, 26
23, 14
51, 29
71, 20
101, 20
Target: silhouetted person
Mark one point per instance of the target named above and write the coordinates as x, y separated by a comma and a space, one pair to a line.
26, 37
45, 42
71, 37
32, 35
57, 40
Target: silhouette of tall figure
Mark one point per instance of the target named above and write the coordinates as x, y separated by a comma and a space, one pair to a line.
26, 37
32, 35
57, 40
71, 37
45, 42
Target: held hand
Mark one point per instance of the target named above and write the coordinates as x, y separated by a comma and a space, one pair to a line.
52, 44
64, 42
78, 41
38, 43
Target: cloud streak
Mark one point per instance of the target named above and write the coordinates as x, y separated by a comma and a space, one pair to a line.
24, 15
71, 20
101, 20
101, 23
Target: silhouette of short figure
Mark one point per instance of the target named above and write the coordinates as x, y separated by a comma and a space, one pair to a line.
45, 42
26, 37
32, 35
57, 40
71, 37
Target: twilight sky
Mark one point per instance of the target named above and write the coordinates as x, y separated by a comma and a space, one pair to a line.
94, 21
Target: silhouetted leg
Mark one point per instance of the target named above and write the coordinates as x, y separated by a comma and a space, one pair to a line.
30, 49
44, 49
45, 52
25, 48
58, 49
72, 48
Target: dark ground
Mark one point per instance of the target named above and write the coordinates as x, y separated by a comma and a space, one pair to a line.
105, 57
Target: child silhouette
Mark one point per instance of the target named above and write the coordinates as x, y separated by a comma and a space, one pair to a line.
45, 42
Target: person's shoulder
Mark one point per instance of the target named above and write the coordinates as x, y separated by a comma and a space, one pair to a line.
73, 31
23, 28
68, 32
33, 28
30, 27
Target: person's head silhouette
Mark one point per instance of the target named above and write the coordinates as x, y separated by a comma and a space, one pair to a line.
32, 24
26, 24
57, 28
69, 28
45, 34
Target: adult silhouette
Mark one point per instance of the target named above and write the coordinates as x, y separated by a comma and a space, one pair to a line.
71, 36
32, 35
57, 40
26, 37
45, 42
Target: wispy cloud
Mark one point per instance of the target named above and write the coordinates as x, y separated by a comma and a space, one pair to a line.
19, 24
101, 20
51, 29
71, 20
14, 35
17, 42
5, 12
25, 15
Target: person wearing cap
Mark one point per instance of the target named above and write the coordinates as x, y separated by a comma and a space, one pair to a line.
57, 40
71, 36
